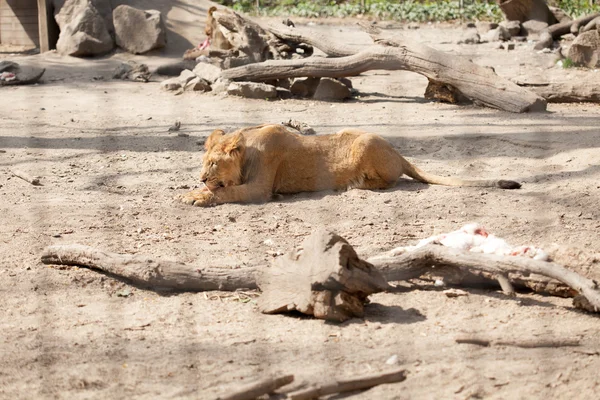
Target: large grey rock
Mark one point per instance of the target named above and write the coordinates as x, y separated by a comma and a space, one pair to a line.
252, 90
207, 71
139, 31
104, 7
470, 37
485, 26
496, 35
331, 89
197, 85
83, 31
304, 87
513, 27
585, 49
533, 27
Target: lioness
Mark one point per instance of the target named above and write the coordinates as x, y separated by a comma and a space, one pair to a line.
252, 164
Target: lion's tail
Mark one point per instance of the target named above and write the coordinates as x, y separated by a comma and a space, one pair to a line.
422, 176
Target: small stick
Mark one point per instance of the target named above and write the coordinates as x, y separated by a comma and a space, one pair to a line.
256, 389
505, 285
524, 344
34, 180
348, 385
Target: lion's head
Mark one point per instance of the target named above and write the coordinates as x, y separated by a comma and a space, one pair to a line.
223, 161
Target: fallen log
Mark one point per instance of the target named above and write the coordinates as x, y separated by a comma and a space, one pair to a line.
522, 343
581, 88
473, 81
554, 32
329, 290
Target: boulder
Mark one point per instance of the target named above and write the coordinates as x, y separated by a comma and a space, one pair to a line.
252, 90
197, 85
496, 35
304, 87
513, 27
331, 89
585, 49
207, 71
220, 85
139, 31
132, 71
104, 7
533, 27
82, 30
171, 84
470, 37
485, 26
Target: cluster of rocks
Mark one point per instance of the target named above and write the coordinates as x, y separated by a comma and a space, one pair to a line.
93, 27
486, 32
205, 77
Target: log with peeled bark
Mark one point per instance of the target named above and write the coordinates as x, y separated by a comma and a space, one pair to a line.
146, 271
554, 32
579, 87
477, 83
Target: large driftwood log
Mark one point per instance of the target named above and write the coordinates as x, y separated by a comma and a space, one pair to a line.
581, 89
442, 261
475, 82
324, 277
147, 271
555, 31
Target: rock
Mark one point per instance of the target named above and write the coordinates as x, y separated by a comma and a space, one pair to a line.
207, 72
171, 84
346, 82
485, 26
63, 18
185, 76
560, 15
470, 37
331, 89
139, 31
304, 87
470, 25
585, 50
533, 27
132, 71
510, 46
498, 34
220, 85
174, 69
198, 85
413, 25
252, 90
284, 93
12, 73
513, 27
83, 31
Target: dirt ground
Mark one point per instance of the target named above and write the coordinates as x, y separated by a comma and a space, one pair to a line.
110, 170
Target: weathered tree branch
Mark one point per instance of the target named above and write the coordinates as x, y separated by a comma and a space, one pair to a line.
520, 271
554, 32
522, 343
257, 389
147, 271
348, 385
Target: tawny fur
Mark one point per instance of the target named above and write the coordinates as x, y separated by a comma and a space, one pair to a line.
252, 164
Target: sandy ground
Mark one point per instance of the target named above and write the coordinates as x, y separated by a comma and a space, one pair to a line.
110, 169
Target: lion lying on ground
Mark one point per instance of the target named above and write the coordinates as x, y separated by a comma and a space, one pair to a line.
253, 164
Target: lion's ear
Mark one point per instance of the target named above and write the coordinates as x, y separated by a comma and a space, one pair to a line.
234, 144
213, 139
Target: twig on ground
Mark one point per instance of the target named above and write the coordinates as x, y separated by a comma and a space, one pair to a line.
257, 389
524, 344
348, 385
34, 180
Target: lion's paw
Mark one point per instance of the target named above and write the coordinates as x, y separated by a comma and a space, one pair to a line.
198, 198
